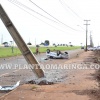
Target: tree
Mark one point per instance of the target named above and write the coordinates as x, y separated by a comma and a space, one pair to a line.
29, 43
47, 42
67, 45
70, 44
81, 44
37, 46
5, 43
58, 45
42, 43
54, 44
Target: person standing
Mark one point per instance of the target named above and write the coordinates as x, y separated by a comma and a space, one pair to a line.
37, 50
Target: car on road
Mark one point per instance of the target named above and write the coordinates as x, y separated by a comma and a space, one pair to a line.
56, 54
94, 48
98, 48
90, 48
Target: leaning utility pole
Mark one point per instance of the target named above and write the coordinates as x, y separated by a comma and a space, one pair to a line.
30, 58
86, 31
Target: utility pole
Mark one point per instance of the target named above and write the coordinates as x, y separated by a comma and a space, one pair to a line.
86, 31
29, 56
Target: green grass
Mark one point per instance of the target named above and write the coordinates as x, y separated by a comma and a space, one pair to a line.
7, 51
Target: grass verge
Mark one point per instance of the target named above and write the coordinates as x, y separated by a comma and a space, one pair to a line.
9, 51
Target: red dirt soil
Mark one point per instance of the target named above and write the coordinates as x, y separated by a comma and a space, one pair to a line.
80, 85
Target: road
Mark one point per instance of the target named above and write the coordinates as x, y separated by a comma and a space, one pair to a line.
71, 84
13, 69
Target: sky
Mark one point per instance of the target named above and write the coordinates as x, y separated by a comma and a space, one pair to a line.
59, 21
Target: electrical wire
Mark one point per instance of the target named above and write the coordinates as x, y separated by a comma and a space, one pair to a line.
62, 3
19, 3
77, 15
38, 18
52, 16
42, 9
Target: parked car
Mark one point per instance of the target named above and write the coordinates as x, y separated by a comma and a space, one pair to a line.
90, 48
98, 48
94, 48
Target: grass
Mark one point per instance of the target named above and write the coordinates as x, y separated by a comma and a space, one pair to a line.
7, 51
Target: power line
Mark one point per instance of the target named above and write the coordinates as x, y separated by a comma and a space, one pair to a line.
81, 27
62, 2
37, 17
52, 16
19, 3
42, 9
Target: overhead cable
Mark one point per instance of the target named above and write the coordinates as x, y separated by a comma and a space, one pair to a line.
37, 17
53, 16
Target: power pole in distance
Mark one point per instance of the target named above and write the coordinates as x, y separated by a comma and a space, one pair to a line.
86, 31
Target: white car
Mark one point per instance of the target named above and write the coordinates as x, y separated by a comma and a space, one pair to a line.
98, 48
94, 48
58, 54
90, 48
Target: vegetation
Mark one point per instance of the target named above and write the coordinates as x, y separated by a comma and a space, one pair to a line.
47, 42
7, 51
29, 43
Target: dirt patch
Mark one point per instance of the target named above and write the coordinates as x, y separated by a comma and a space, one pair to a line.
93, 94
77, 84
